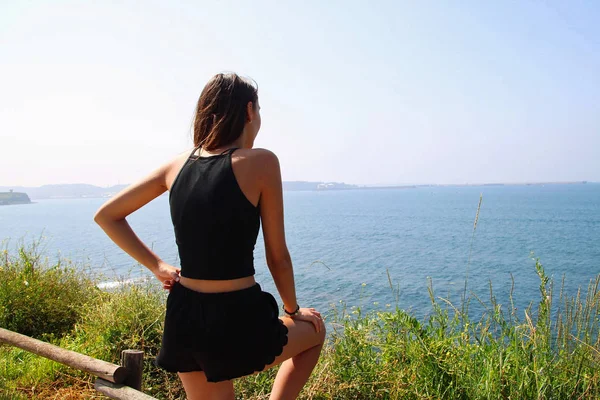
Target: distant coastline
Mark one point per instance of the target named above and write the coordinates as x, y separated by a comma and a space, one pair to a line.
80, 191
512, 184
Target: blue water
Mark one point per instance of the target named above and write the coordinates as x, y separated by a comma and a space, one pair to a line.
343, 242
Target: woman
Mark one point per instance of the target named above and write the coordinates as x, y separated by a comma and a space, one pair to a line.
219, 324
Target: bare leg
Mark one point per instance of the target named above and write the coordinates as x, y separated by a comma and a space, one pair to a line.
298, 359
198, 388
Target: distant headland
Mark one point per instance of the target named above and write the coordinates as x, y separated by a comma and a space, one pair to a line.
78, 191
11, 197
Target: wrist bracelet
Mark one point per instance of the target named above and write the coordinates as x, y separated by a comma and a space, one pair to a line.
291, 313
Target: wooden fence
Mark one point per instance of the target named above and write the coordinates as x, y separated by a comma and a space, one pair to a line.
121, 382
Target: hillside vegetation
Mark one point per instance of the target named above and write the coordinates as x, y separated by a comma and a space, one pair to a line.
549, 351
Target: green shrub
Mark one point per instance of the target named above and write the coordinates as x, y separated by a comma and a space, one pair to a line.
40, 298
130, 317
552, 352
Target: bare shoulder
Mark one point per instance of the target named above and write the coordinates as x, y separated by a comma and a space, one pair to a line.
258, 159
257, 154
261, 164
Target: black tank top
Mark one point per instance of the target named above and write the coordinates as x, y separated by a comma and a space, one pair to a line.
215, 224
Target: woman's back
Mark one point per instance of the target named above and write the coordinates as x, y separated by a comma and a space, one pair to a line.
215, 224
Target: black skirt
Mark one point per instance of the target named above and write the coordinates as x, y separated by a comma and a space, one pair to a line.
226, 335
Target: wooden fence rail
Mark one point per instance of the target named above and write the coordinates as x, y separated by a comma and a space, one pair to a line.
119, 382
120, 392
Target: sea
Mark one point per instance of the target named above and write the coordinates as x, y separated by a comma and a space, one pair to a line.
368, 249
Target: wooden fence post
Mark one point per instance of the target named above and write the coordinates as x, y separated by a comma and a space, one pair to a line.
133, 361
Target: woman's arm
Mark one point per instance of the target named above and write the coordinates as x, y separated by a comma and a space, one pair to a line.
278, 256
111, 218
271, 211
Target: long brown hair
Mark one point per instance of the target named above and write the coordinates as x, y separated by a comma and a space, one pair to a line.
222, 110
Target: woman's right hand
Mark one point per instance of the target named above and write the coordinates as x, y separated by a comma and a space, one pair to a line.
167, 275
310, 315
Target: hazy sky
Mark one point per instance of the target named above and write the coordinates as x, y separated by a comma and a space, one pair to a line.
366, 92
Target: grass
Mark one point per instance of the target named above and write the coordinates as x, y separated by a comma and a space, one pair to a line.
41, 298
552, 351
